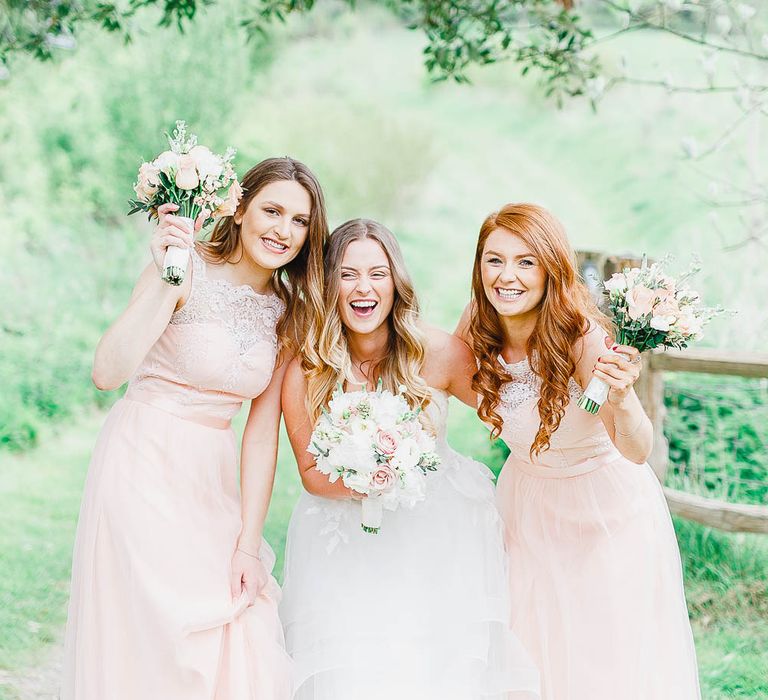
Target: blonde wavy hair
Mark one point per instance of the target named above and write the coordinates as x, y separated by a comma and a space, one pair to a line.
299, 283
564, 316
329, 363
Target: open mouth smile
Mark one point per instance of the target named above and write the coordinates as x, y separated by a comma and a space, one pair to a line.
363, 308
508, 294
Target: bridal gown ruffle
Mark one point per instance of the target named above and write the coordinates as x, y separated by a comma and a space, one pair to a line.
151, 615
418, 611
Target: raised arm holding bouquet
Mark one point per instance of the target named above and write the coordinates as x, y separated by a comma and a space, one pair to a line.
193, 179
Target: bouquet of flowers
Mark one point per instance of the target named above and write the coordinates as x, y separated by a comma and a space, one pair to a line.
375, 443
650, 309
192, 177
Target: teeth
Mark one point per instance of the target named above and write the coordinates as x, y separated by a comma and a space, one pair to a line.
509, 293
363, 304
275, 244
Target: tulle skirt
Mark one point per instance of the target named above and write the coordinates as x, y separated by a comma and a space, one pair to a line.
595, 575
151, 614
418, 611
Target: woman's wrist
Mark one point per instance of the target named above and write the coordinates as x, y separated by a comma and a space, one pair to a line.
250, 553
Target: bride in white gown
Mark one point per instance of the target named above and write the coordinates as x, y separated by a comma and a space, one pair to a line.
419, 610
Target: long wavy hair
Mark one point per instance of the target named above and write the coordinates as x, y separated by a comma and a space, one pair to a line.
564, 316
299, 283
330, 363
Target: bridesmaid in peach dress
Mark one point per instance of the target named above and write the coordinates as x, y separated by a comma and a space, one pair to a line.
594, 568
172, 595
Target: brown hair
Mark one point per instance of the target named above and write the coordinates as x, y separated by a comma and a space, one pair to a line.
299, 283
405, 356
564, 316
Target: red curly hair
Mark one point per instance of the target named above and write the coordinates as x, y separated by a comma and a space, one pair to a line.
564, 316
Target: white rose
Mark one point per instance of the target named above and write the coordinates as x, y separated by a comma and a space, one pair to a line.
167, 161
662, 323
208, 164
617, 283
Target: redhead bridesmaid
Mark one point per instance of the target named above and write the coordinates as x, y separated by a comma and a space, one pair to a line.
594, 568
172, 594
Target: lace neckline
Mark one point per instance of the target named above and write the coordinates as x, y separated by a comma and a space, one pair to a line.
246, 288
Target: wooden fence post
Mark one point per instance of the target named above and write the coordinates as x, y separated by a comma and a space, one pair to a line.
650, 391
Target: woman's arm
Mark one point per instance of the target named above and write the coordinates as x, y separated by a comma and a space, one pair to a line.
129, 339
258, 462
450, 366
622, 414
299, 427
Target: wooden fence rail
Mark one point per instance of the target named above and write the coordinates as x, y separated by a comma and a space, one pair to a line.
733, 517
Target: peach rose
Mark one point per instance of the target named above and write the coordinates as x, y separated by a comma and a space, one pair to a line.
383, 479
229, 206
148, 182
386, 442
640, 300
186, 175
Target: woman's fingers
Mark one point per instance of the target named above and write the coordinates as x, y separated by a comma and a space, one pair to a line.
236, 583
627, 350
164, 210
623, 349
620, 361
179, 222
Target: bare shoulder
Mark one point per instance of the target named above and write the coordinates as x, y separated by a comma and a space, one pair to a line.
447, 356
462, 328
444, 348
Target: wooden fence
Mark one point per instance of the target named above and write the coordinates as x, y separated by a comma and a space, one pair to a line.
734, 517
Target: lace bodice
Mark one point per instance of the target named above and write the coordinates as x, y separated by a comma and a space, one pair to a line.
580, 435
218, 349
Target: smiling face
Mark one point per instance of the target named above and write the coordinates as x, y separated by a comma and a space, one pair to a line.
513, 278
366, 287
275, 224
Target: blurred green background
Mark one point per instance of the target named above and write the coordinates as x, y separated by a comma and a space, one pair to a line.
346, 92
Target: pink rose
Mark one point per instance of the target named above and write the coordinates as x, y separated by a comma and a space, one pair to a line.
667, 307
386, 442
383, 479
186, 175
640, 300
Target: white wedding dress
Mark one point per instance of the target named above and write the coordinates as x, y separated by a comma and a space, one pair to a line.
418, 611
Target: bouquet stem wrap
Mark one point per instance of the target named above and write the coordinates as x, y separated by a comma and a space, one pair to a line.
596, 393
373, 512
176, 259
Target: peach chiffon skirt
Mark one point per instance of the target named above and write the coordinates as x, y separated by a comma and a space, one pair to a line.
595, 578
151, 614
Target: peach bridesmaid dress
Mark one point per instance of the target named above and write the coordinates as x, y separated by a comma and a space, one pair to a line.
594, 567
151, 615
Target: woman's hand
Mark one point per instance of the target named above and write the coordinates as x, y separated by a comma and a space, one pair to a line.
172, 231
620, 369
248, 574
